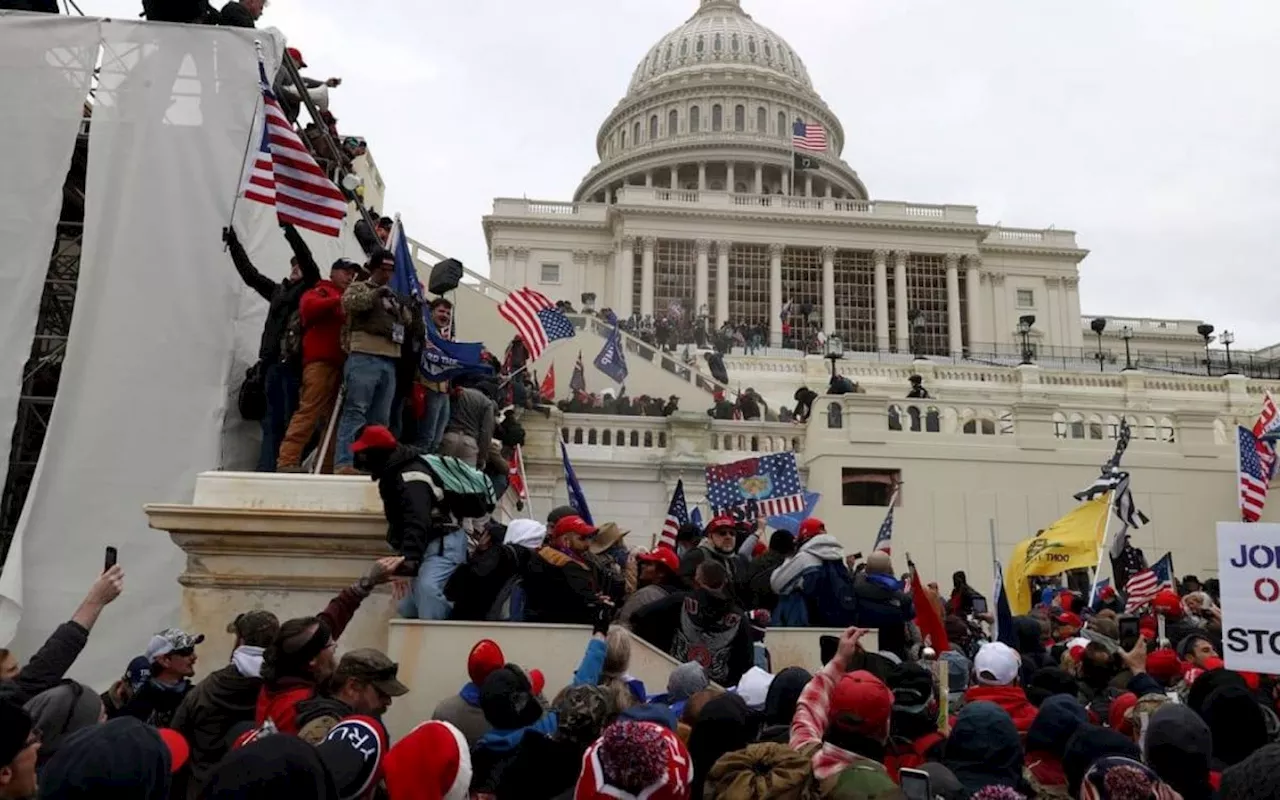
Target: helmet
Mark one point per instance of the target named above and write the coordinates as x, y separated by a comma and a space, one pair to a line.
810, 528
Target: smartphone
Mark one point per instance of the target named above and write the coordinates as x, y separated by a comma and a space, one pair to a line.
1130, 630
915, 784
110, 560
979, 605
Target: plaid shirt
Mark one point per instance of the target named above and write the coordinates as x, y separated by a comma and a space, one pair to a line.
810, 723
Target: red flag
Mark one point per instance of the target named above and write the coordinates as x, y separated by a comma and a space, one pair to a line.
548, 388
927, 619
515, 474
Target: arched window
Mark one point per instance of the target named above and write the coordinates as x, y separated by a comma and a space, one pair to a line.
684, 48
623, 139
751, 45
735, 43
782, 124
667, 56
700, 46
740, 118
768, 50
673, 123
653, 127
717, 117
695, 119
719, 45
635, 134
762, 120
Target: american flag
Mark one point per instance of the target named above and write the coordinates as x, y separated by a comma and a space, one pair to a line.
677, 515
578, 380
1145, 585
773, 482
285, 175
1267, 429
1253, 475
884, 537
809, 136
536, 320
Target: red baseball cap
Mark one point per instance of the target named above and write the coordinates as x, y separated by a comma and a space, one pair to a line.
861, 703
574, 524
1168, 603
296, 55
1068, 619
722, 521
179, 750
1107, 592
537, 681
374, 437
662, 555
485, 657
810, 528
1116, 714
1164, 666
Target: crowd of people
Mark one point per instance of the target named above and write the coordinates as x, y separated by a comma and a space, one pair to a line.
1058, 706
675, 329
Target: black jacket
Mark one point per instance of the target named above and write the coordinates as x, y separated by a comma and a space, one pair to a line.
474, 587
48, 666
687, 623
283, 297
755, 589
888, 610
236, 16
207, 717
407, 502
155, 704
558, 589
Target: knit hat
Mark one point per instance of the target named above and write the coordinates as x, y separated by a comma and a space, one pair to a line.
353, 752
861, 704
15, 727
764, 771
1117, 715
1255, 778
753, 687
508, 700
581, 712
61, 711
686, 680
912, 687
432, 763
485, 657
640, 758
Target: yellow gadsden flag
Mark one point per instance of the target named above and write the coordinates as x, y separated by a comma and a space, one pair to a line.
1070, 543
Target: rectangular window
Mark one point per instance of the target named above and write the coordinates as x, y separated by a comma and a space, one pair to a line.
1026, 298
550, 273
869, 487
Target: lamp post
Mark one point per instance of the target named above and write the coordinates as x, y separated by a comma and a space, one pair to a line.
916, 323
1099, 325
1228, 338
1206, 331
835, 352
1024, 330
1127, 333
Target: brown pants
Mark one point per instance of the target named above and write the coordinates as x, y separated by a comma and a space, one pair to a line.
320, 385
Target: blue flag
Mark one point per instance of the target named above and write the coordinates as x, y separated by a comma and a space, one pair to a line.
576, 498
612, 360
1004, 614
441, 359
695, 517
791, 522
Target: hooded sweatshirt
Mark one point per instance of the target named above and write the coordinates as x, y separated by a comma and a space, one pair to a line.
1237, 723
1179, 747
1011, 698
984, 749
1059, 718
123, 759
210, 711
463, 712
721, 728
823, 547
60, 712
272, 768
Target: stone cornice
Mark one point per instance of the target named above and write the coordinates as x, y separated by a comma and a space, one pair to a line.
746, 214
1077, 254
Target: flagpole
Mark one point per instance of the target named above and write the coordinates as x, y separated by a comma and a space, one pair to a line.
1106, 534
524, 481
997, 575
328, 430
248, 143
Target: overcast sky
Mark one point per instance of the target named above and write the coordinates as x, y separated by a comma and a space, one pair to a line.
1151, 127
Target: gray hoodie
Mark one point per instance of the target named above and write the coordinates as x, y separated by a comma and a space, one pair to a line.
823, 547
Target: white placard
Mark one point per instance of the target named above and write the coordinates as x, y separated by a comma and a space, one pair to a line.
1249, 572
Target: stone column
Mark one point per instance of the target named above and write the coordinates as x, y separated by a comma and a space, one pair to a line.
646, 276
900, 300
498, 256
827, 192
1001, 335
1052, 310
1066, 320
973, 264
729, 182
578, 284
675, 177
648, 179
624, 275
775, 295
701, 291
882, 300
599, 266
510, 267
952, 260
828, 290
702, 176
722, 282
1075, 333
522, 265
808, 185
759, 178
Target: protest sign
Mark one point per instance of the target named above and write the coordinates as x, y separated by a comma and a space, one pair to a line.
1249, 573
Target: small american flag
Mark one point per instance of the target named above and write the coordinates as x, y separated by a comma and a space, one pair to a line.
677, 515
884, 538
536, 320
1145, 585
1266, 429
285, 175
809, 136
1253, 476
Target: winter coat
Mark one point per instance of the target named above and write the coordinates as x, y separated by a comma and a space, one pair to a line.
1011, 698
48, 666
235, 15
155, 703
475, 586
463, 711
207, 716
318, 714
701, 626
984, 749
559, 588
472, 413
372, 316
882, 604
284, 297
755, 588
819, 573
320, 312
407, 502
644, 596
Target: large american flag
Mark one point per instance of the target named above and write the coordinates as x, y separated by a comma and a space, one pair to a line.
677, 515
773, 482
536, 320
1145, 585
809, 136
285, 175
1253, 476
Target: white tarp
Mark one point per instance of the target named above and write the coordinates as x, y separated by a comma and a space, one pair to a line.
1249, 573
46, 63
144, 383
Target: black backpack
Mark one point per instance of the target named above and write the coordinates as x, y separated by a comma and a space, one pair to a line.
193, 11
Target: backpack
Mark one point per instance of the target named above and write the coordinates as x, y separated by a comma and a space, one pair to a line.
792, 611
252, 398
508, 606
831, 588
460, 490
291, 339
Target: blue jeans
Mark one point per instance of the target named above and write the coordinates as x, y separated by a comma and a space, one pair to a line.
426, 598
371, 386
431, 427
281, 384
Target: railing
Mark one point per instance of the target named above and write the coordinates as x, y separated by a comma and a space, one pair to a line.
756, 437
652, 436
685, 372
930, 417
890, 209
618, 432
578, 212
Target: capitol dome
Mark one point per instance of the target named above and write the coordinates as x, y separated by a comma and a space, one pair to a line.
711, 108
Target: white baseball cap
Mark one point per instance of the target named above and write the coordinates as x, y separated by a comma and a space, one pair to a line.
996, 664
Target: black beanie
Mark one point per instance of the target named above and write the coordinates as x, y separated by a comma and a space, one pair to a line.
507, 699
15, 727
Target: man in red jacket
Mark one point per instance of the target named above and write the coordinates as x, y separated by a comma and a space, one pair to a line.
995, 669
320, 312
